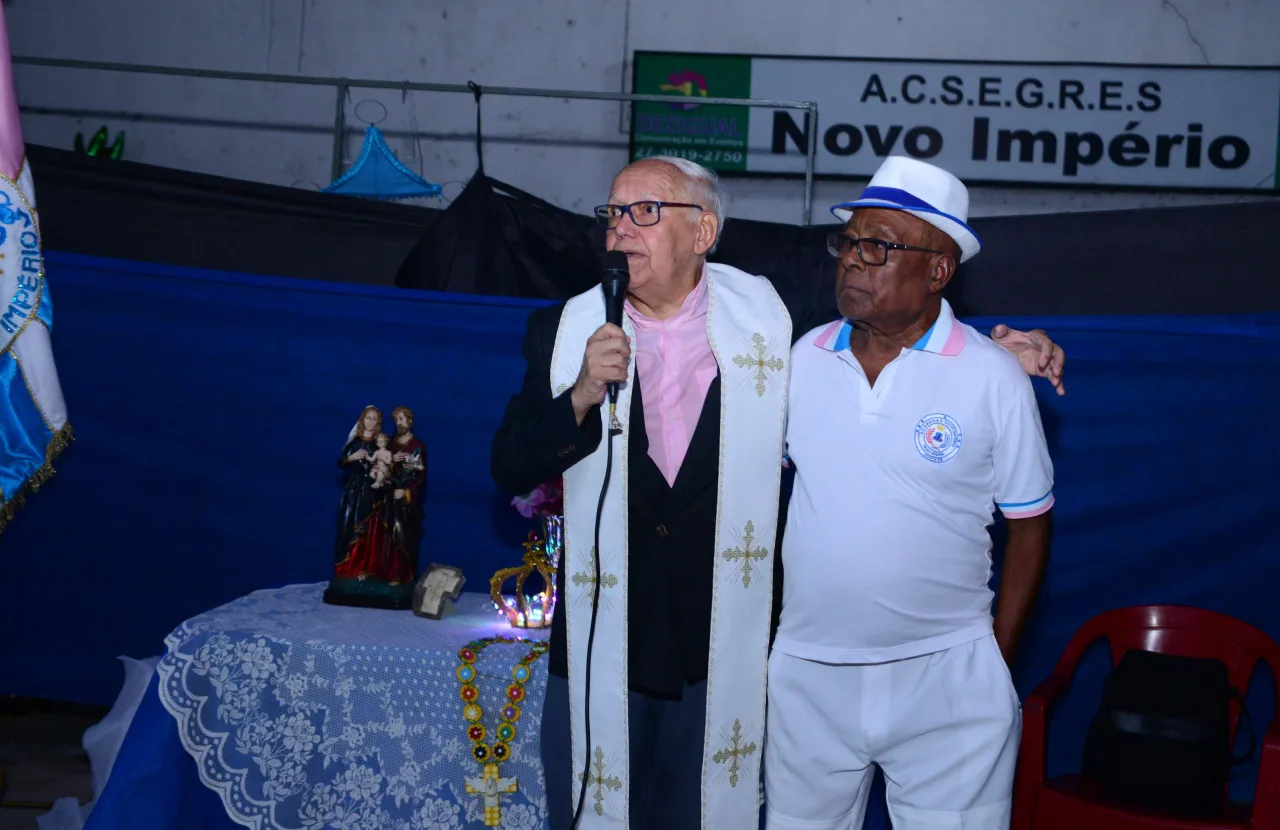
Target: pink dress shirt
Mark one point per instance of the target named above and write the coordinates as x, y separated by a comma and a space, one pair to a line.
676, 367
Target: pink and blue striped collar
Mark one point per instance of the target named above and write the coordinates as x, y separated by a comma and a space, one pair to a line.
944, 337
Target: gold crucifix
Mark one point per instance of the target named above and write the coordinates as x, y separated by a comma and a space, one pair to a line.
491, 788
760, 362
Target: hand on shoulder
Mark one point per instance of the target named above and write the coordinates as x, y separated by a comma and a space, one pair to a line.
1039, 356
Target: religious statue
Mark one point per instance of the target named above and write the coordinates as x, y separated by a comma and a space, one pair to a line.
381, 462
409, 486
379, 514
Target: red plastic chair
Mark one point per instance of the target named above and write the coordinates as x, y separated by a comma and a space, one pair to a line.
1073, 802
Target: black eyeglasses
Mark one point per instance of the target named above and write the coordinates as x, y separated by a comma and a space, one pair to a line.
641, 213
873, 252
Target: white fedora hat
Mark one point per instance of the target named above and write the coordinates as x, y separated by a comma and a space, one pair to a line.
926, 192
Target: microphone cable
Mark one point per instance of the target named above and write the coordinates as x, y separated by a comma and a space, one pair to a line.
614, 429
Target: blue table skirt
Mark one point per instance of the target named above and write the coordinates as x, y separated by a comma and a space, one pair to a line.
154, 784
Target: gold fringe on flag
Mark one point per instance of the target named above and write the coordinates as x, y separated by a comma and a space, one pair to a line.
10, 505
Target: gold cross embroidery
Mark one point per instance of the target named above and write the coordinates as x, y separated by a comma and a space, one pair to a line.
734, 753
746, 553
598, 783
587, 578
759, 362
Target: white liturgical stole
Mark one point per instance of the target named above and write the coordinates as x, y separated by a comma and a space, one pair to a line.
750, 334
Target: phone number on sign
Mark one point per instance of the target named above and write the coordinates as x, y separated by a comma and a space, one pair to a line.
700, 156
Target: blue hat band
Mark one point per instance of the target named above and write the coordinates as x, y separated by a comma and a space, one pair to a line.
904, 200
900, 197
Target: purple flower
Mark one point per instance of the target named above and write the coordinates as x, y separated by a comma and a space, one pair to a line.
547, 499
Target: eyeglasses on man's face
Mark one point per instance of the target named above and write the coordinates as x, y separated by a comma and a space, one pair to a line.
873, 252
642, 214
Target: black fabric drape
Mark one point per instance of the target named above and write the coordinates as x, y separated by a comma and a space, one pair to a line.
126, 210
496, 239
1215, 259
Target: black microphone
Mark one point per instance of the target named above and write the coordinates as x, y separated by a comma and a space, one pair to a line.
614, 279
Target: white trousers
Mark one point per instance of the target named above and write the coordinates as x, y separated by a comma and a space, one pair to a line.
944, 728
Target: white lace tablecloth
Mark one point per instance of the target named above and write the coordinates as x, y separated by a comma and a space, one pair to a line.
307, 716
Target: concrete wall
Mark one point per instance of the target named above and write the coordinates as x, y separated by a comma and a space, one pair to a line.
560, 150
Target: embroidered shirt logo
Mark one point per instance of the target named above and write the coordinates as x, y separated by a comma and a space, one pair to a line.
938, 438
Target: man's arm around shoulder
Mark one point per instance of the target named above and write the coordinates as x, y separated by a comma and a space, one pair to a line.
540, 437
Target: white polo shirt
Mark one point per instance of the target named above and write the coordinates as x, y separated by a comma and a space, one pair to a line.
886, 552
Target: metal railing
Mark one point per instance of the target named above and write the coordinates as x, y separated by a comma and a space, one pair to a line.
343, 85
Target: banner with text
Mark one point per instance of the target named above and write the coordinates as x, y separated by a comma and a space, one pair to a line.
1092, 125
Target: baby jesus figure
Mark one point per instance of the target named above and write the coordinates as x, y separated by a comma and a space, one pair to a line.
381, 459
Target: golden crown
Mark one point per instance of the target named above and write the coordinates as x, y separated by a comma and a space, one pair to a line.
524, 611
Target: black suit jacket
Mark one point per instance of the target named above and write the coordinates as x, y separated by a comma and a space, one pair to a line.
539, 437
671, 550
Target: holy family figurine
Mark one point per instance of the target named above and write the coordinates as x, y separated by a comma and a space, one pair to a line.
380, 514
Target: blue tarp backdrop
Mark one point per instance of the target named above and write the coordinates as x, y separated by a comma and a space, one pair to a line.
210, 408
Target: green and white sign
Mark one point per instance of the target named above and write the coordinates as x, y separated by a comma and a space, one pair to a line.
714, 136
1085, 125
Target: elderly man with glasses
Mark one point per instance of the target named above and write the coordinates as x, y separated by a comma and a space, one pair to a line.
684, 502
907, 430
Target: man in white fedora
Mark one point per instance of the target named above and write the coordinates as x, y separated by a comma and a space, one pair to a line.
905, 426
